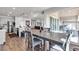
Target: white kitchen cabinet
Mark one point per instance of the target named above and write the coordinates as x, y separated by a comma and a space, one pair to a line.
2, 36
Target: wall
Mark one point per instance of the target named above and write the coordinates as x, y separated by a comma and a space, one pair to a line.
36, 21
20, 21
78, 23
69, 20
4, 19
47, 19
46, 22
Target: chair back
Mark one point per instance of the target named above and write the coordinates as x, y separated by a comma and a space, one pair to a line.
31, 37
67, 42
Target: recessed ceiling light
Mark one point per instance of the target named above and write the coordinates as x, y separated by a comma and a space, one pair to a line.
35, 15
8, 15
13, 8
10, 12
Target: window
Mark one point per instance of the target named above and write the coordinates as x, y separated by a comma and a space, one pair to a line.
54, 24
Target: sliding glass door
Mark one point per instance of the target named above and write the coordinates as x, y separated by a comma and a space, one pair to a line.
54, 24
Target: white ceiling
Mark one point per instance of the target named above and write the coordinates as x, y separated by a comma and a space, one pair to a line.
64, 11
69, 12
32, 11
18, 11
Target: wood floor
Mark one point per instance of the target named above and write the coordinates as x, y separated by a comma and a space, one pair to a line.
14, 44
18, 44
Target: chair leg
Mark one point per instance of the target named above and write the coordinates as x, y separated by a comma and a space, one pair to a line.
28, 42
32, 48
41, 46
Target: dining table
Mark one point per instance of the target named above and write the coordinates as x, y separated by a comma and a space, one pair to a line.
49, 36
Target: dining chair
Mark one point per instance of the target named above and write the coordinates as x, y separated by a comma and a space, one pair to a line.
35, 41
27, 37
61, 47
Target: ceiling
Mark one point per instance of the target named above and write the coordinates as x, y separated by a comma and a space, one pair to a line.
33, 11
18, 11
69, 12
64, 11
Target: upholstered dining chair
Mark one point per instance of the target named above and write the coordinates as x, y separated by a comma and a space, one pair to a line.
35, 41
62, 47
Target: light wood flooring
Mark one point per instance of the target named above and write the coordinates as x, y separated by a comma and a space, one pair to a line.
14, 44
19, 44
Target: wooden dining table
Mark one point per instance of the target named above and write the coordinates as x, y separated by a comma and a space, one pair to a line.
53, 36
49, 36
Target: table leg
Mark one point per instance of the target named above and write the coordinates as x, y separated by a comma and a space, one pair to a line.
49, 45
44, 46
